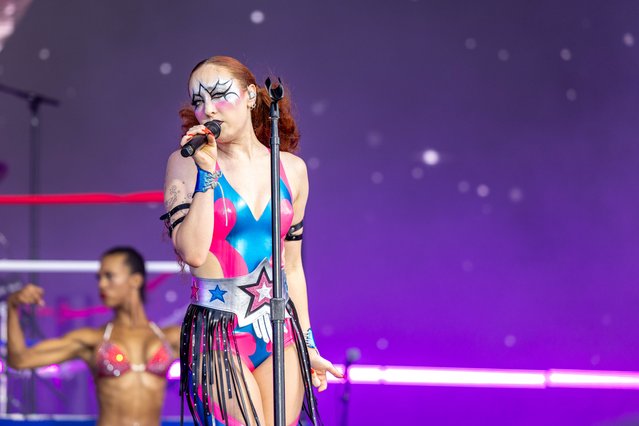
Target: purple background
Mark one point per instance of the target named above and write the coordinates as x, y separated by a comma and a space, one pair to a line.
517, 250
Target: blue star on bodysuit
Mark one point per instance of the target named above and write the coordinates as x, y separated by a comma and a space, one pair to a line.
217, 294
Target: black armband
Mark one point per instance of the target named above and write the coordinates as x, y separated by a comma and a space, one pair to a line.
166, 217
292, 237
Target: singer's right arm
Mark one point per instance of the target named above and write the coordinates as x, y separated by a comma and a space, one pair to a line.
191, 238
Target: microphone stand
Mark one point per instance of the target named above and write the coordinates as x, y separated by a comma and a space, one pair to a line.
352, 356
34, 101
346, 397
278, 303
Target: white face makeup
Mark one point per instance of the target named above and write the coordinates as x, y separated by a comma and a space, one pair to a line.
217, 95
222, 90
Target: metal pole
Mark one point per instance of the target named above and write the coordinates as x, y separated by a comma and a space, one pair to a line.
34, 234
34, 100
278, 303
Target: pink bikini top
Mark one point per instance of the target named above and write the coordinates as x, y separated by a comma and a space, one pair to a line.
112, 361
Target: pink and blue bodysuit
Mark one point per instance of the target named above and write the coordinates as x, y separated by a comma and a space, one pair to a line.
228, 322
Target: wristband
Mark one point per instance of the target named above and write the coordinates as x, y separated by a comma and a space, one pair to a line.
310, 340
206, 180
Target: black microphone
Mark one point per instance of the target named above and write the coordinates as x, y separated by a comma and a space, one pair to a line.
352, 356
198, 140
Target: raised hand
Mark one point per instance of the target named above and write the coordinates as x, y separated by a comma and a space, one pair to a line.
30, 294
206, 156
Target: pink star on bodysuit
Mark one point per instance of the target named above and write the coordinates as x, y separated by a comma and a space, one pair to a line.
261, 292
194, 292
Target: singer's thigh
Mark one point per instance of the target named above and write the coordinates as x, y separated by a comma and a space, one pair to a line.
234, 411
293, 382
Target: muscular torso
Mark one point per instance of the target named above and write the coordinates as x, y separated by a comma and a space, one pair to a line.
136, 397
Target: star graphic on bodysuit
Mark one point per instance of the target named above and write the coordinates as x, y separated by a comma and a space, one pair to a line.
194, 291
217, 294
261, 292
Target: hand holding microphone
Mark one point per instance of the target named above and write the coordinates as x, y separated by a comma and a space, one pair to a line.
199, 142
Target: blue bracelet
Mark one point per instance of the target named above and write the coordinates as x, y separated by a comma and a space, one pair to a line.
206, 180
310, 340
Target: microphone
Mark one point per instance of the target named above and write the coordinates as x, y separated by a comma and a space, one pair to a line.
352, 356
198, 140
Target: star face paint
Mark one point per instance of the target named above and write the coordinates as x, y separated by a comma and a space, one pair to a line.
220, 92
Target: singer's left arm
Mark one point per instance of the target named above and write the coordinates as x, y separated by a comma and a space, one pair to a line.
298, 178
295, 269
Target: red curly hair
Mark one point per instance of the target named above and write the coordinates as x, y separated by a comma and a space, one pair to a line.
289, 134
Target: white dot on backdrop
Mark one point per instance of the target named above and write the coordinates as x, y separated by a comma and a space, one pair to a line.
6, 28
44, 54
468, 266
170, 296
565, 54
319, 107
9, 9
313, 163
382, 344
503, 55
571, 95
595, 359
377, 177
470, 43
510, 341
628, 39
165, 68
34, 122
417, 173
374, 139
463, 187
483, 190
430, 157
257, 16
516, 195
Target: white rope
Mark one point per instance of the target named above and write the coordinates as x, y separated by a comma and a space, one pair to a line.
7, 265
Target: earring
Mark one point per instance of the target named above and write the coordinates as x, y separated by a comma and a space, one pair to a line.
251, 95
253, 106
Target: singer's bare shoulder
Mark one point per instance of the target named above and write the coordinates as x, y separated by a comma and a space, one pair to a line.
297, 174
178, 167
177, 161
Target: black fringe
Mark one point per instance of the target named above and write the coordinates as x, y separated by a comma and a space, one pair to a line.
214, 369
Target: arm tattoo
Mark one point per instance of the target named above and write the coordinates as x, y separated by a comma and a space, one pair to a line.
172, 198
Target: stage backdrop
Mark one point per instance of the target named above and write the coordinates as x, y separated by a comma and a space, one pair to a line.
472, 165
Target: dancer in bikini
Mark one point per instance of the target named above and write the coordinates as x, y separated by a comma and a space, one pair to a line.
129, 356
219, 218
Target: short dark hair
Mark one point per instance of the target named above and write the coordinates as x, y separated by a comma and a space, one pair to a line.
134, 261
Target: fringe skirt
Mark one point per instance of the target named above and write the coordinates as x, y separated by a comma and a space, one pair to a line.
211, 376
